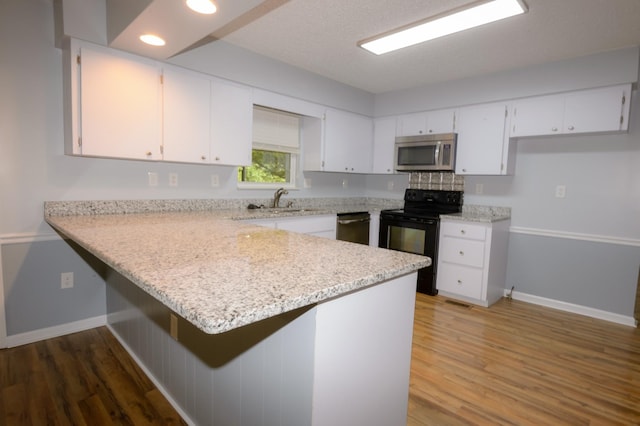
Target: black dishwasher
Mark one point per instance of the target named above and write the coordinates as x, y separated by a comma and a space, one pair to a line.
353, 227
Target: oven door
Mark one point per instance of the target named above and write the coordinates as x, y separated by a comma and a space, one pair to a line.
413, 235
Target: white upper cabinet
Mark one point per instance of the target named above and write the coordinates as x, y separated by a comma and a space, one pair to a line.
186, 111
412, 124
384, 138
598, 110
431, 122
231, 124
537, 116
125, 106
346, 144
587, 111
206, 120
441, 121
119, 108
483, 144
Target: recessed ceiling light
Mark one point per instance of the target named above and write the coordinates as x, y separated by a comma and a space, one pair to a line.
473, 15
153, 40
202, 6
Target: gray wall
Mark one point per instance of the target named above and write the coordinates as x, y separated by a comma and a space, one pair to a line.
32, 293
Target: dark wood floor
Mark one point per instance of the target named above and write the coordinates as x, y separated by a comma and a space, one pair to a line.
84, 378
513, 363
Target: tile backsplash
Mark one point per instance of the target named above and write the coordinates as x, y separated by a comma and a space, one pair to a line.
436, 180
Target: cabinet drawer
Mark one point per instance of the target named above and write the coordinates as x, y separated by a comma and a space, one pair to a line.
460, 280
461, 251
463, 230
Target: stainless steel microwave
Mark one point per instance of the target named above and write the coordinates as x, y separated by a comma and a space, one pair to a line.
435, 152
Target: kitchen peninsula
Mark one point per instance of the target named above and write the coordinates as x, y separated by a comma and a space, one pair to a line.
241, 324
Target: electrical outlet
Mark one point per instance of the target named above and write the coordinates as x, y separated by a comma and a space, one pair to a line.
561, 191
307, 182
173, 179
345, 183
479, 188
153, 179
66, 280
215, 181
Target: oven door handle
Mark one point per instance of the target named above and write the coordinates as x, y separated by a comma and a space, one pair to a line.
350, 221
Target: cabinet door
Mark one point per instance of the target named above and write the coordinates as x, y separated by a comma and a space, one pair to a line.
537, 116
412, 124
120, 105
482, 140
348, 139
598, 110
186, 116
231, 124
440, 121
384, 134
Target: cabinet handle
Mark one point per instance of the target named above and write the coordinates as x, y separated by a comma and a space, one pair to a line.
149, 153
464, 170
459, 282
203, 157
554, 129
571, 127
462, 231
461, 253
217, 158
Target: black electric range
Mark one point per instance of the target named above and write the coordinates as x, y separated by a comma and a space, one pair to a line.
415, 228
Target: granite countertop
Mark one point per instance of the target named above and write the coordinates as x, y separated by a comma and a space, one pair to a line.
220, 274
483, 214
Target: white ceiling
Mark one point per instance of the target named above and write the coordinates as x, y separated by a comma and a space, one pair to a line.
322, 36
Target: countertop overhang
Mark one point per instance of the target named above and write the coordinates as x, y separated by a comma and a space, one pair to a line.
220, 274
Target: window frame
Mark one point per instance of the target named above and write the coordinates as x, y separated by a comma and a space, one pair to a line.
295, 153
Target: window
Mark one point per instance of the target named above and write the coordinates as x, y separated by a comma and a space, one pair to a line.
276, 147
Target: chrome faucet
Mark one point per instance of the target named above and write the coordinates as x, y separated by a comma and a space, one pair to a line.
276, 197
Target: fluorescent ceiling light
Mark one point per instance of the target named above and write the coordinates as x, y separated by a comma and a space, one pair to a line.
153, 40
473, 15
202, 6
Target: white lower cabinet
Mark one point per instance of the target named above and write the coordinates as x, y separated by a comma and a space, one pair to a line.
472, 260
320, 226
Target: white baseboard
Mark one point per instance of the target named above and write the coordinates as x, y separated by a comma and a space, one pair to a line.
150, 375
576, 309
55, 331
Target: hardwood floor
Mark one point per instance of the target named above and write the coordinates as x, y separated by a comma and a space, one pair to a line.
513, 363
84, 378
517, 363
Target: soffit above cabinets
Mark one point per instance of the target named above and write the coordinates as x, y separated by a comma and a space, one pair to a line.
321, 36
174, 22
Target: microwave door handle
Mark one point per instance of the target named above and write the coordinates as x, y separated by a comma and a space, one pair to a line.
437, 158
